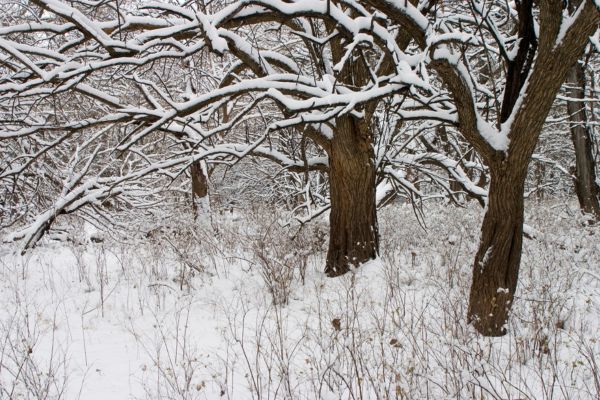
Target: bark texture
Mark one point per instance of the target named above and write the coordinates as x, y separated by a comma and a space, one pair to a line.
353, 218
199, 187
586, 186
353, 231
496, 268
543, 59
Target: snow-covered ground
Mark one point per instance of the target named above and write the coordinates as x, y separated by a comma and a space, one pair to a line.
239, 309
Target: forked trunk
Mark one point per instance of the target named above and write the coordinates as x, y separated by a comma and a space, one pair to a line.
586, 187
353, 217
496, 268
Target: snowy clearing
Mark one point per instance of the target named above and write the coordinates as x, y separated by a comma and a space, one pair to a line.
244, 312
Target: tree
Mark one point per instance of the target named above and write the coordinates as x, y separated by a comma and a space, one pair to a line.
586, 186
536, 68
324, 85
319, 70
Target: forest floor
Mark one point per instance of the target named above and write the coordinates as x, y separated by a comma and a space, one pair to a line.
239, 309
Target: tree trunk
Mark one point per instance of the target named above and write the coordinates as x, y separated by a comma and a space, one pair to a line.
200, 199
540, 174
496, 268
353, 229
586, 187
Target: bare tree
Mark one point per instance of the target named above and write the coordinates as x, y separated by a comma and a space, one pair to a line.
318, 69
536, 68
586, 186
322, 81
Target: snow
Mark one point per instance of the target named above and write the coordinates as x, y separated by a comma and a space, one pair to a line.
218, 43
237, 306
83, 23
497, 139
595, 39
116, 320
383, 190
411, 12
567, 21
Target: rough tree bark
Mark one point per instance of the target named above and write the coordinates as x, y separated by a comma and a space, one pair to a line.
353, 218
200, 199
496, 267
586, 186
543, 64
353, 231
